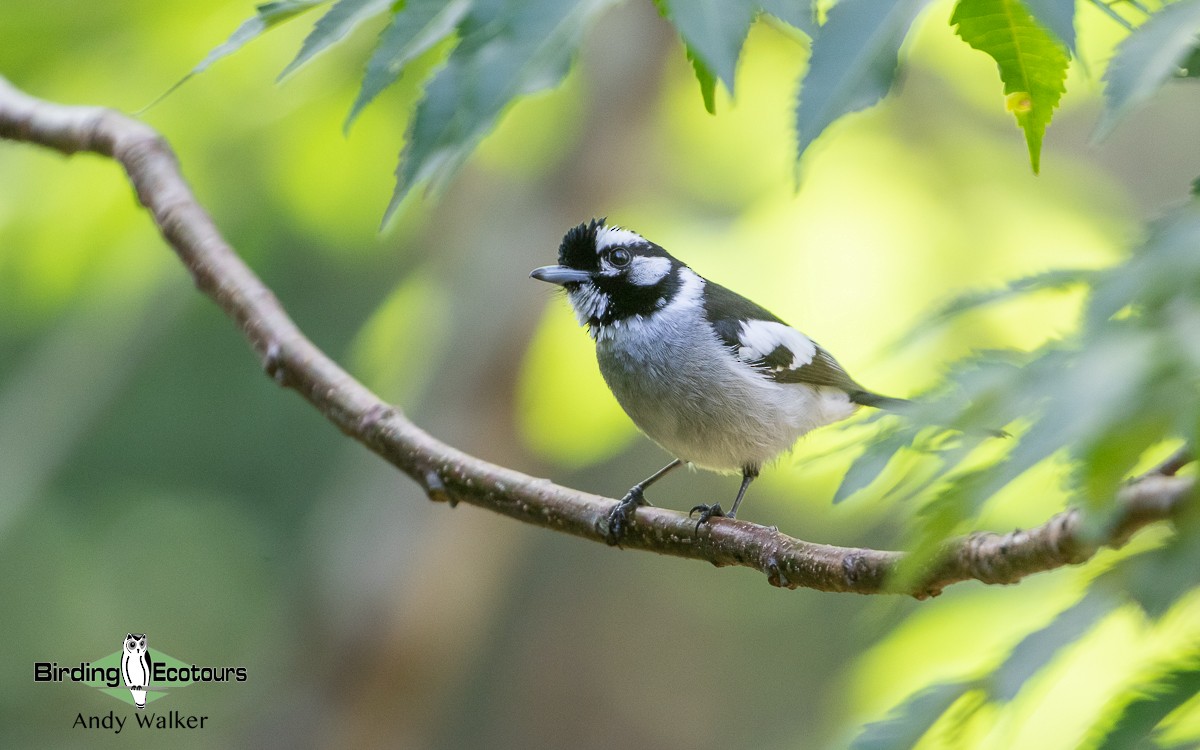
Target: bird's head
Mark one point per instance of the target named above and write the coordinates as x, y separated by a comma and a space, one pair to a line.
611, 274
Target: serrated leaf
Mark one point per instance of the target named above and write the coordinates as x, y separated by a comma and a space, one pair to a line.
1149, 705
988, 391
908, 722
949, 460
1037, 649
797, 13
1133, 425
1149, 56
713, 31
1058, 16
505, 50
853, 62
1159, 270
269, 15
414, 29
1158, 578
1033, 64
1055, 280
1086, 393
707, 81
334, 26
936, 521
869, 464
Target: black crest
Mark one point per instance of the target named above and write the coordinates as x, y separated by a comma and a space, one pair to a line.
578, 248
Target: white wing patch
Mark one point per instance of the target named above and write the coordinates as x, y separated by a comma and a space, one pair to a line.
758, 338
610, 236
648, 270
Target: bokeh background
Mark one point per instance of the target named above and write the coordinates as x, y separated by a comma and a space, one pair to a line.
152, 479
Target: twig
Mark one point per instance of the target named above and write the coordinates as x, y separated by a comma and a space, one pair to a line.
1173, 463
450, 475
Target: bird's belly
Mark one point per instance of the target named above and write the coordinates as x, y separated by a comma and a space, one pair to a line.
703, 406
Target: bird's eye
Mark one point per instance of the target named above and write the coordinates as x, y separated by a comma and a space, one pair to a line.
619, 257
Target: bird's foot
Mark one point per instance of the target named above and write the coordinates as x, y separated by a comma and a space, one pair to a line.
707, 513
620, 516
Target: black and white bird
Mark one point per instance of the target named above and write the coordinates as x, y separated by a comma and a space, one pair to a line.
716, 380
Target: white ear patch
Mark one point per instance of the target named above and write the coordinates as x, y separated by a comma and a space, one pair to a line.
648, 270
610, 236
758, 338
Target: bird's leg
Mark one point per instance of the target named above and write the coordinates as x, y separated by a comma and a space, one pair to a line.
620, 516
708, 512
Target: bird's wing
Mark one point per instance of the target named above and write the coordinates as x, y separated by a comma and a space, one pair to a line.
771, 346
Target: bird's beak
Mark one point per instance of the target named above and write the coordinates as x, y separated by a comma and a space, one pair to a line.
560, 275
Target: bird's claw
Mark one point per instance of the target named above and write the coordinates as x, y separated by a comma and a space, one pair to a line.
707, 513
620, 516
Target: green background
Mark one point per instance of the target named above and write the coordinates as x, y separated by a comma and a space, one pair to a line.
153, 480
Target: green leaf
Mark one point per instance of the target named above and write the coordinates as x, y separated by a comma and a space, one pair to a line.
1146, 707
853, 62
1158, 578
1163, 268
797, 13
713, 31
414, 29
871, 462
269, 15
708, 81
983, 393
1037, 649
1058, 279
1154, 52
1191, 64
722, 28
334, 26
1033, 64
938, 519
1057, 16
1086, 395
1132, 426
949, 459
908, 722
506, 50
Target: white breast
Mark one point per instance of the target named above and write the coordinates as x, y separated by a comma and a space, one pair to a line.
690, 394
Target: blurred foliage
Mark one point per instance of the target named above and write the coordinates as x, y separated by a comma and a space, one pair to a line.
1160, 49
1104, 400
504, 50
853, 62
370, 618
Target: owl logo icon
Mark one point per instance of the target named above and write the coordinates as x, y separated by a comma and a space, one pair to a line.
135, 666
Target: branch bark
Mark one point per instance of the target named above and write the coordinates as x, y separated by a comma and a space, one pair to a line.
447, 474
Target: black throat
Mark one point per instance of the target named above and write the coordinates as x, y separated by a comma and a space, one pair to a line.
628, 300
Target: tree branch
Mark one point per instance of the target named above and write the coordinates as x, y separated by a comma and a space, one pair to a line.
450, 475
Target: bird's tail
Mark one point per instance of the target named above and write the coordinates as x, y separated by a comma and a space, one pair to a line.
867, 398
